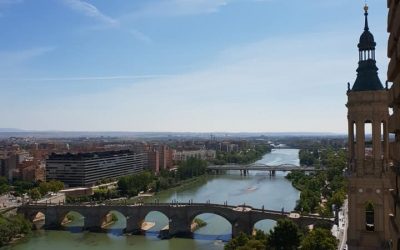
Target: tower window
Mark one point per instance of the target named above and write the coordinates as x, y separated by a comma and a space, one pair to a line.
369, 217
368, 139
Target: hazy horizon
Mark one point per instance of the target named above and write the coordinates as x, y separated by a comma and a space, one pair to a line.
12, 130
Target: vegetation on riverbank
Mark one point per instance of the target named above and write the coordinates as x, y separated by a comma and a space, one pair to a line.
321, 190
285, 235
45, 187
13, 227
246, 156
35, 189
198, 223
114, 218
132, 185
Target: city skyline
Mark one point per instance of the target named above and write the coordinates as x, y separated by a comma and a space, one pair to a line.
182, 66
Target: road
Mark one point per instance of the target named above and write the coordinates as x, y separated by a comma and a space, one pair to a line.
340, 232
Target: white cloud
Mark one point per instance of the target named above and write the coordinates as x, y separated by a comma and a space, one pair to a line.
13, 58
273, 85
88, 78
140, 36
181, 7
90, 10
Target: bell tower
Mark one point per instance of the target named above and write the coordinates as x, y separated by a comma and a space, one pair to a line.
368, 176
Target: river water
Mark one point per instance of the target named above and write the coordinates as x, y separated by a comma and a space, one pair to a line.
257, 190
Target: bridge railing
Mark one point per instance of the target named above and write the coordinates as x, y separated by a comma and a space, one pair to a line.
178, 204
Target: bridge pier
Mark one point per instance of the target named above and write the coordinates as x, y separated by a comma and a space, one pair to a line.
244, 172
93, 223
133, 225
52, 220
179, 225
242, 225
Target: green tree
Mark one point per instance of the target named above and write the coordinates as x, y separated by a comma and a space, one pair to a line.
50, 186
285, 236
131, 185
319, 239
34, 193
239, 241
192, 167
13, 226
4, 186
252, 245
22, 187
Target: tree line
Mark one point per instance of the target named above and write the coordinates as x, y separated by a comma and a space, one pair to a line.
245, 156
147, 181
34, 189
13, 227
329, 184
286, 235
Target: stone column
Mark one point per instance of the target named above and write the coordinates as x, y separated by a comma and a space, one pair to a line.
351, 140
133, 224
385, 142
52, 218
377, 147
243, 224
179, 224
93, 222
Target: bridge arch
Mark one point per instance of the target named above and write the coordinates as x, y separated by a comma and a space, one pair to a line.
153, 221
216, 226
220, 211
72, 220
38, 218
264, 225
114, 222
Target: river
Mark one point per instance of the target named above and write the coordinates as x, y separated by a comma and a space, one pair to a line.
257, 190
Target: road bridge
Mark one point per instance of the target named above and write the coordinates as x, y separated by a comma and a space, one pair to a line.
180, 215
244, 169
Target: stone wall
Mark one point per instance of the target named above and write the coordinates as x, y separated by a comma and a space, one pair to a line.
394, 120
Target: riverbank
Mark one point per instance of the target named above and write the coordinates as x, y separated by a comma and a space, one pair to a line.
246, 156
274, 193
197, 224
178, 186
13, 228
321, 191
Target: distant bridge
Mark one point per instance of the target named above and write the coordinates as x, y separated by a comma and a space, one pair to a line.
263, 167
180, 215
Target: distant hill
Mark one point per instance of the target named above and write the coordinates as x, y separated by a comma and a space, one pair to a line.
11, 130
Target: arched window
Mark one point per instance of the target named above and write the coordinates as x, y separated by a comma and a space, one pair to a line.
368, 139
369, 217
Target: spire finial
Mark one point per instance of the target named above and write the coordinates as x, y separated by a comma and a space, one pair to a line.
366, 16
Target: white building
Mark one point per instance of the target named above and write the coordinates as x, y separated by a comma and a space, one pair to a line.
200, 154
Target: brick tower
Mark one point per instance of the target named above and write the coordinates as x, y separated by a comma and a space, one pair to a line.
368, 176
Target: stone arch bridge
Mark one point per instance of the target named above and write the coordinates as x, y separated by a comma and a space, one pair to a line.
180, 215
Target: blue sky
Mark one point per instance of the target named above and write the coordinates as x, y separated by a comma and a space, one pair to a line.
182, 65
